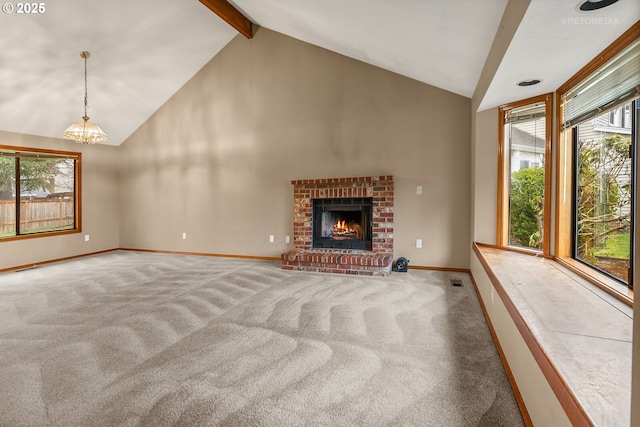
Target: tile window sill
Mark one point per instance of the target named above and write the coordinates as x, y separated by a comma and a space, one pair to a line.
582, 332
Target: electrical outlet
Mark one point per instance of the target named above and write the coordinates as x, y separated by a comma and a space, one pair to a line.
287, 239
418, 243
419, 189
86, 237
271, 238
184, 236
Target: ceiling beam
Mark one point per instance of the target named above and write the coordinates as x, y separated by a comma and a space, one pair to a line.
231, 15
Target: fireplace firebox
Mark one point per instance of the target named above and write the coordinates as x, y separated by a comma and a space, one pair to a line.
342, 223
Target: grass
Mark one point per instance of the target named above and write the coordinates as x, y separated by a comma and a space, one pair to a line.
36, 231
617, 246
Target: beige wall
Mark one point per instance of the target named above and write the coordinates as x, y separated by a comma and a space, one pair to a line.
217, 160
485, 182
99, 206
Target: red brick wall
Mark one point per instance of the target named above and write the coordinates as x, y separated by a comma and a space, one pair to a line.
380, 188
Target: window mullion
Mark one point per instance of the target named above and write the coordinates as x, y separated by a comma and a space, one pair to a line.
17, 181
633, 180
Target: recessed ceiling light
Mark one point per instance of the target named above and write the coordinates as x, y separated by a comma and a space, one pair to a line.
589, 5
529, 82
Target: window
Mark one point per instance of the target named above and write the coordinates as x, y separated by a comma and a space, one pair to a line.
614, 118
602, 199
39, 192
524, 211
619, 118
596, 163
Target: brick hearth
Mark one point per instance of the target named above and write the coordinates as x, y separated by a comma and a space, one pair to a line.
376, 262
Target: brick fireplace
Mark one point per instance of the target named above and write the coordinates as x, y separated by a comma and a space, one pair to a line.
315, 252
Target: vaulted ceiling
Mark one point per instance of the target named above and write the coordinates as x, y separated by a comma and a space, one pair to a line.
143, 51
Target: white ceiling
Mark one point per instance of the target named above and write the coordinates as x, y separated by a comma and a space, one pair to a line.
553, 42
143, 51
440, 42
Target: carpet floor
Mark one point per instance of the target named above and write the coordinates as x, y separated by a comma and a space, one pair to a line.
144, 339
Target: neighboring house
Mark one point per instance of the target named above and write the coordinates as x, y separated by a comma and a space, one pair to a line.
617, 121
527, 146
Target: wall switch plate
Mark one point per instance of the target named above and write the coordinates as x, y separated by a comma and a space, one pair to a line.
419, 189
184, 236
287, 239
271, 238
86, 237
418, 243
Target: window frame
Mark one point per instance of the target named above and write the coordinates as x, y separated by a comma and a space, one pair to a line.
504, 174
574, 131
77, 176
564, 170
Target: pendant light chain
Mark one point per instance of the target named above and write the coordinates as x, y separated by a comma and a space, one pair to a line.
85, 55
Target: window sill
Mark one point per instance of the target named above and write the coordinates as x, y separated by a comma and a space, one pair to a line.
580, 335
607, 284
37, 235
602, 281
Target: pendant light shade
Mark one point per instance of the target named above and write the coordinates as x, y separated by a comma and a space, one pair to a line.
85, 132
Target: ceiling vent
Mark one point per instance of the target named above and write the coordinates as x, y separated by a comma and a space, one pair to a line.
590, 5
529, 82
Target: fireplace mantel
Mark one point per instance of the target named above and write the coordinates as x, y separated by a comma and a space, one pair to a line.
304, 257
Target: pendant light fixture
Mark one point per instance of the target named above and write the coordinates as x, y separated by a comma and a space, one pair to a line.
85, 132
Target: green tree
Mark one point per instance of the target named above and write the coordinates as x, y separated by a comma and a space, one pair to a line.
527, 207
7, 177
601, 194
35, 174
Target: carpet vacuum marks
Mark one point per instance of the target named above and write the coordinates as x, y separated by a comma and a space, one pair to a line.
144, 339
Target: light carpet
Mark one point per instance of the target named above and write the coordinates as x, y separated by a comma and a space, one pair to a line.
132, 338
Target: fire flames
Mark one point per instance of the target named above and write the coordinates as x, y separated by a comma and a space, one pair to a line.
341, 228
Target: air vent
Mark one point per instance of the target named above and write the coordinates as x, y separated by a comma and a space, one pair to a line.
456, 283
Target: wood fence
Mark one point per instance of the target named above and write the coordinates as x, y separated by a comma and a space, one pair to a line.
39, 214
